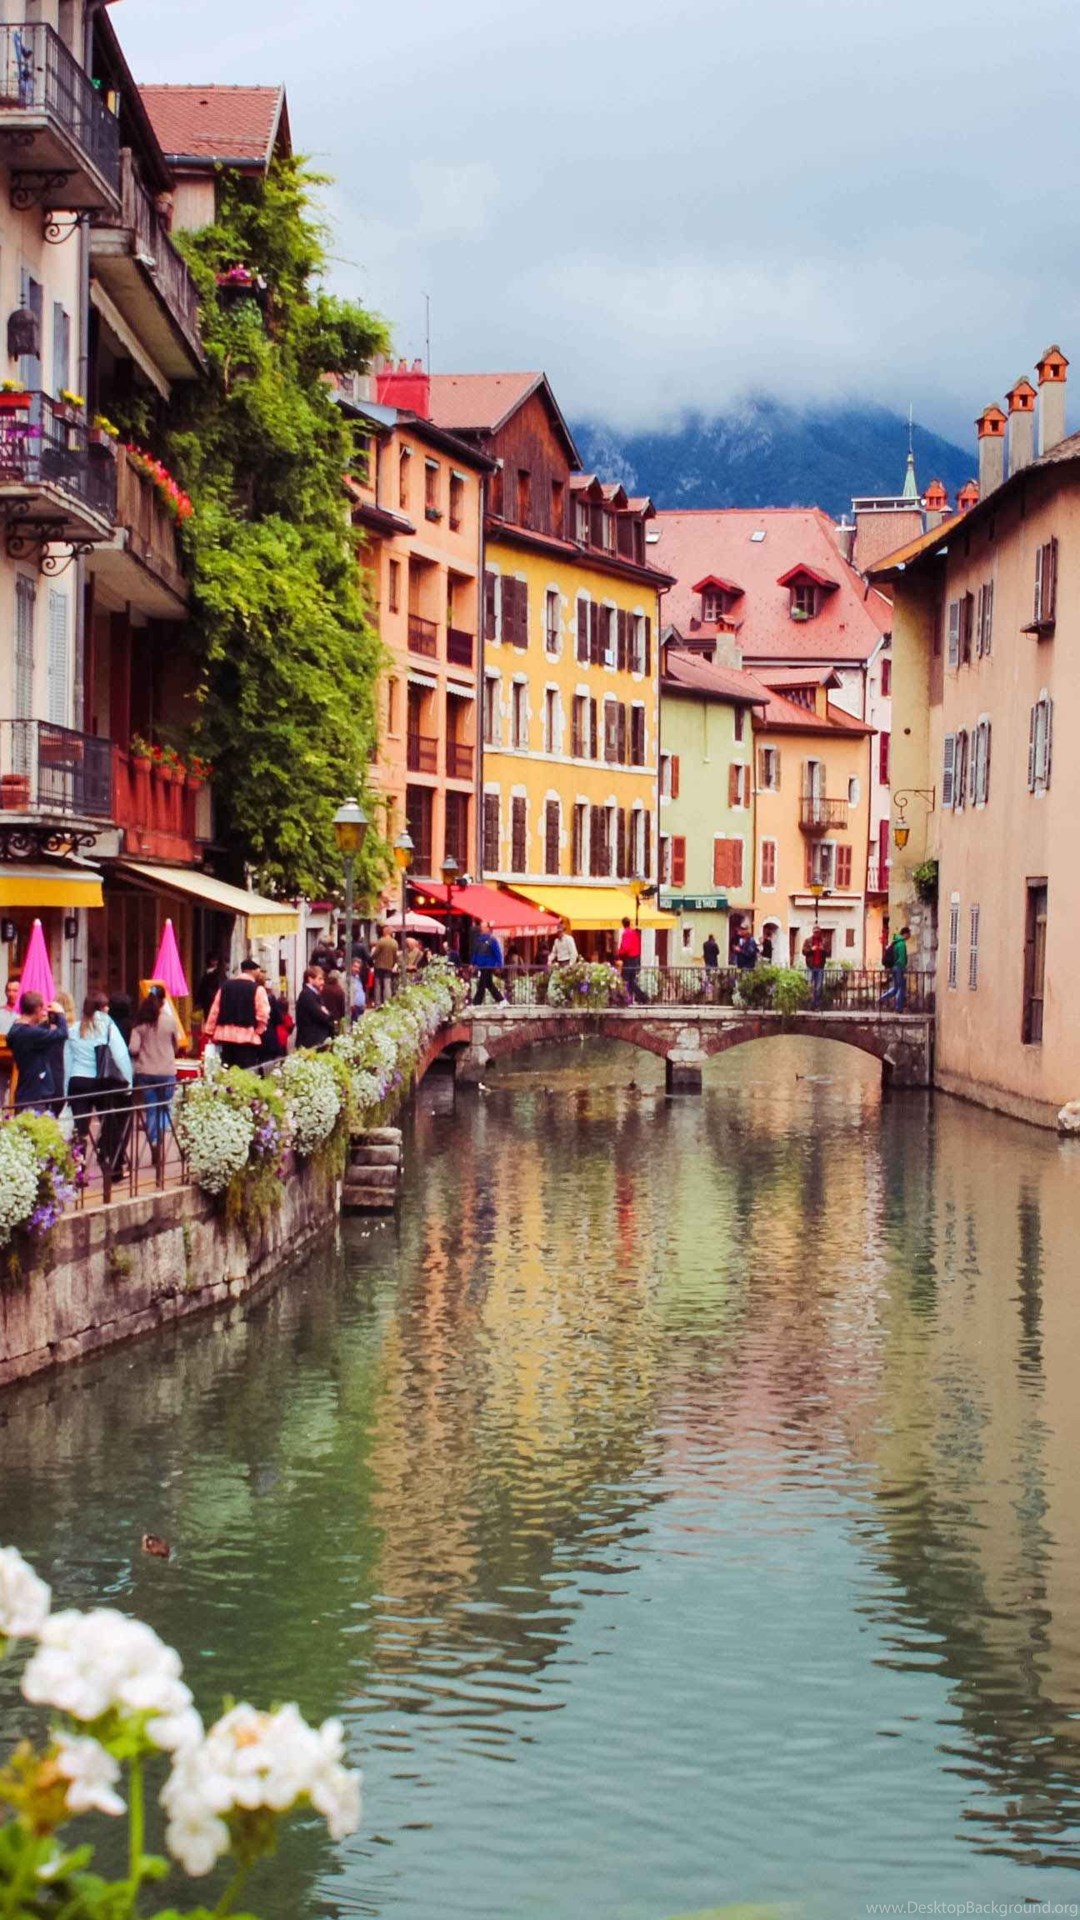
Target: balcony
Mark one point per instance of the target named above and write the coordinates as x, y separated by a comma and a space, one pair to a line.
142, 563
147, 279
422, 753
423, 636
818, 815
54, 771
163, 812
459, 760
56, 133
55, 486
459, 647
877, 875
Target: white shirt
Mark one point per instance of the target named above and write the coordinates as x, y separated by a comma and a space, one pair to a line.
563, 951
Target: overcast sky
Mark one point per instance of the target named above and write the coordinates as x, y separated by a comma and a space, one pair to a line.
668, 203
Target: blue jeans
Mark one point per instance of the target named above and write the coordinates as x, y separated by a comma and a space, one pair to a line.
156, 1094
896, 995
817, 981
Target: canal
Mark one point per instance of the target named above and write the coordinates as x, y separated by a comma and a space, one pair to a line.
678, 1501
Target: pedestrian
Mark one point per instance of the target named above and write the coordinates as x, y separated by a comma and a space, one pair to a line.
487, 957
415, 958
746, 954
98, 1077
239, 1016
357, 988
895, 959
767, 946
9, 1012
155, 1039
815, 953
275, 1041
120, 1011
629, 959
334, 997
206, 991
36, 1037
314, 1020
384, 961
564, 951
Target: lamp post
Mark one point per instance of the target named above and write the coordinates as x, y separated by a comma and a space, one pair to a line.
449, 871
403, 857
901, 830
350, 832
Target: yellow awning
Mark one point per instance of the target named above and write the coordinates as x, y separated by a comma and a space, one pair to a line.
50, 887
263, 916
595, 909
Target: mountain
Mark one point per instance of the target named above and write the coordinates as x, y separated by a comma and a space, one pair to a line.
765, 453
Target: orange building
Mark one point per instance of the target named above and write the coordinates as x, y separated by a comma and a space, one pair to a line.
419, 509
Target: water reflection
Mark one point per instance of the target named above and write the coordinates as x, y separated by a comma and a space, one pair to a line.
665, 1463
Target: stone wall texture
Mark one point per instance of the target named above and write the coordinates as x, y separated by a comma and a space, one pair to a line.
122, 1271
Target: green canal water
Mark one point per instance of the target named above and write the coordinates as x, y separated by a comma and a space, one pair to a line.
678, 1502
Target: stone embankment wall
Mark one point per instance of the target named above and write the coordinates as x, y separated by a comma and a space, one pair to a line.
124, 1270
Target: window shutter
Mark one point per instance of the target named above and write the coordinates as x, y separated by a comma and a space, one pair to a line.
594, 734
551, 837
973, 950
954, 633
621, 749
678, 860
648, 645
746, 786
59, 689
843, 867
583, 632
620, 843
518, 857
674, 776
768, 863
1033, 746
883, 758
1050, 586
948, 774
594, 633
960, 774
1049, 737
648, 843
986, 762
1040, 572
25, 596
491, 832
734, 785
762, 766
736, 863
811, 874
490, 607
620, 655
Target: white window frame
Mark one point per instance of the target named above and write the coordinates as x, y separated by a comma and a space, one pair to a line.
973, 948
492, 692
553, 652
954, 941
519, 709
552, 720
1040, 743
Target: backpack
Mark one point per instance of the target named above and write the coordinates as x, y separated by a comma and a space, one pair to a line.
888, 958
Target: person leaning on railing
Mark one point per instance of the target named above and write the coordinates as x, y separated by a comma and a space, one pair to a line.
36, 1040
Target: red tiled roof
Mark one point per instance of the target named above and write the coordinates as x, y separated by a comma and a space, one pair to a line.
809, 676
237, 125
696, 674
478, 401
787, 716
706, 540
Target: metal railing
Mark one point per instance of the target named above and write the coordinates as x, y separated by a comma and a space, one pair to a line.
459, 760
459, 647
155, 252
38, 75
43, 444
49, 769
842, 990
422, 753
122, 1141
423, 636
816, 814
877, 876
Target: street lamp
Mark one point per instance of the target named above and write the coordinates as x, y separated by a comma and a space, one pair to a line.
449, 871
403, 856
641, 890
350, 831
901, 831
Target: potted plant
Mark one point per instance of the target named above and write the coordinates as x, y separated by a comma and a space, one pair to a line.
14, 792
103, 434
14, 397
70, 405
199, 772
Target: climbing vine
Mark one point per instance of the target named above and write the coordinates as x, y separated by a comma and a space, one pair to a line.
288, 654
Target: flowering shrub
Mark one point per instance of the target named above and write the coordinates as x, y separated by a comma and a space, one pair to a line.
215, 1136
176, 502
383, 1049
37, 1175
587, 985
118, 1704
784, 989
312, 1100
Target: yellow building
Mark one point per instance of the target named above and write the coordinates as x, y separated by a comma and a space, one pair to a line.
570, 693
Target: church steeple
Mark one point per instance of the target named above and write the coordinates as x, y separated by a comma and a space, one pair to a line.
911, 491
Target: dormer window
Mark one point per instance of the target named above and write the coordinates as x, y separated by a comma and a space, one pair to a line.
581, 522
804, 603
807, 591
718, 596
714, 604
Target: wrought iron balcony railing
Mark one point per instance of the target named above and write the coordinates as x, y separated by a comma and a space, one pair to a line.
817, 815
45, 769
48, 460
63, 143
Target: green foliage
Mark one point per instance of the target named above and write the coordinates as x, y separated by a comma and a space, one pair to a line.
925, 877
289, 657
783, 989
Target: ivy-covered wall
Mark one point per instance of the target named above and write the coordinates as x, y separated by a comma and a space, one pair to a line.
288, 654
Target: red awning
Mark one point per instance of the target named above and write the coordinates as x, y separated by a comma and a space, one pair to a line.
506, 912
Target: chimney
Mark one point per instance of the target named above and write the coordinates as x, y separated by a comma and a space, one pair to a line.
844, 535
405, 386
990, 427
967, 497
1021, 402
1051, 372
935, 505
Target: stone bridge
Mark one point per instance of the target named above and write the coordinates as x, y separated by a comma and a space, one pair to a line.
685, 1037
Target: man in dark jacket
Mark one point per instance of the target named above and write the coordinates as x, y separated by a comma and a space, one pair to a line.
487, 958
37, 1040
314, 1020
239, 1017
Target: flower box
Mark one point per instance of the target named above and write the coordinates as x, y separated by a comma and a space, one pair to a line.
14, 402
14, 792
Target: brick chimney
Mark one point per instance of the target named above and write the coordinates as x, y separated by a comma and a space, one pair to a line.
405, 386
935, 504
990, 427
1021, 403
1051, 371
967, 497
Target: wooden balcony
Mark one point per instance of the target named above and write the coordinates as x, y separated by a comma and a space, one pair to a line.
56, 133
423, 636
147, 279
163, 813
142, 563
459, 647
422, 753
459, 760
877, 875
818, 815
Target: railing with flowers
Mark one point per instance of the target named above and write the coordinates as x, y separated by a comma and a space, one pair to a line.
151, 520
161, 798
176, 502
119, 1709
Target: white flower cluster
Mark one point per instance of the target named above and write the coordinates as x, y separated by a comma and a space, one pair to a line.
215, 1136
250, 1760
92, 1774
24, 1597
91, 1664
312, 1101
18, 1181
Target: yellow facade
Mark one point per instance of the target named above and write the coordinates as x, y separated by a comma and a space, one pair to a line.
570, 756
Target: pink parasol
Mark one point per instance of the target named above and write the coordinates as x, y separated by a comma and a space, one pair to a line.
167, 967
37, 975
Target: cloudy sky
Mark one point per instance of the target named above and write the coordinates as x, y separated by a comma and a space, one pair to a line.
668, 203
